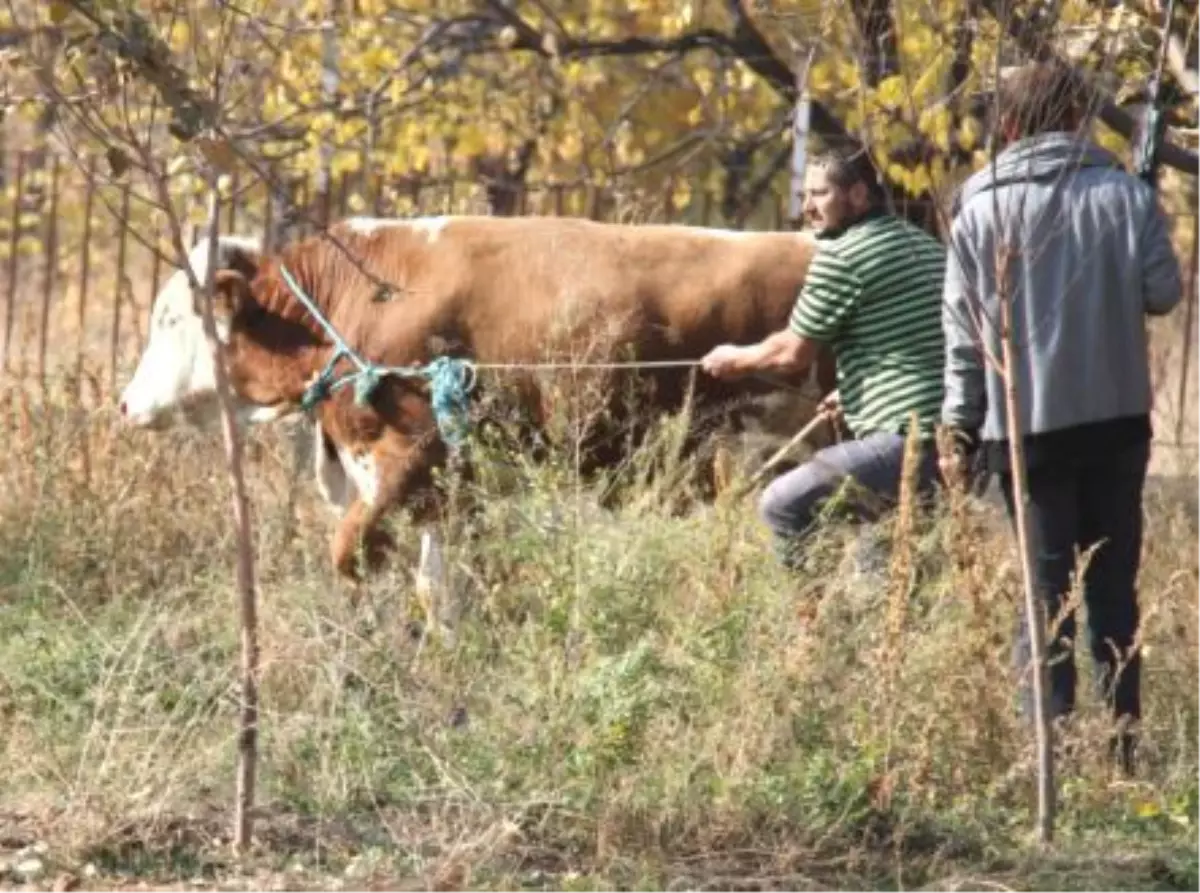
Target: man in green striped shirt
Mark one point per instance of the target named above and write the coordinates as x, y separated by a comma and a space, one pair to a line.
873, 297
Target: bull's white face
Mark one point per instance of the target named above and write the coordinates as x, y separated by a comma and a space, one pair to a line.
176, 371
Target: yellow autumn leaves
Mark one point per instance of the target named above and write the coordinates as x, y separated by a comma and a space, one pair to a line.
657, 119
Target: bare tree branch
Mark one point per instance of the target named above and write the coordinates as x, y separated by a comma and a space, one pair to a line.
14, 37
1178, 62
1033, 44
130, 37
877, 28
745, 43
964, 43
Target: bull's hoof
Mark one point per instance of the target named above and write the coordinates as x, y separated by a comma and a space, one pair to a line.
355, 559
347, 568
377, 545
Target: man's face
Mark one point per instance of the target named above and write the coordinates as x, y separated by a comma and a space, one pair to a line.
828, 206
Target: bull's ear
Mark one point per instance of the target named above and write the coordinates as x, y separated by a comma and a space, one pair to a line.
244, 258
231, 293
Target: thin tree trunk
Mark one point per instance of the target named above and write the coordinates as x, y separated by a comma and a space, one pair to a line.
248, 720
1034, 614
877, 31
330, 84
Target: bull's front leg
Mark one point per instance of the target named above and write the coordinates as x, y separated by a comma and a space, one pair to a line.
398, 473
358, 534
389, 474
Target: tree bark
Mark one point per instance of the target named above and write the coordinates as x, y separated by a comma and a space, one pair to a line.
247, 598
877, 29
1034, 614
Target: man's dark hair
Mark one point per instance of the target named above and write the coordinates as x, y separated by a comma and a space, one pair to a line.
848, 162
1042, 97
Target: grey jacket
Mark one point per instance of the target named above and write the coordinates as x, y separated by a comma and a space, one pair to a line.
1092, 256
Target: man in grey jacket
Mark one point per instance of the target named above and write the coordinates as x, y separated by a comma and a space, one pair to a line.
1087, 255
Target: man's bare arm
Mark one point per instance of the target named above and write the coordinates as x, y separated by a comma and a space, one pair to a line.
784, 351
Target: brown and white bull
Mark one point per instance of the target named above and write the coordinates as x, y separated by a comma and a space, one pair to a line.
523, 290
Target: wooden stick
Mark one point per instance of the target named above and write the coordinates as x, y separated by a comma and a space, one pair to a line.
801, 435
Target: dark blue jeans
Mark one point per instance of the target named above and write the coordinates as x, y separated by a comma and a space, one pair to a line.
791, 503
1075, 504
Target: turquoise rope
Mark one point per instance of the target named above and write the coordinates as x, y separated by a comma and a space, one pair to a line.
451, 380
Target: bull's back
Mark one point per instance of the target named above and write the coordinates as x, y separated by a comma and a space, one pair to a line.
714, 285
531, 282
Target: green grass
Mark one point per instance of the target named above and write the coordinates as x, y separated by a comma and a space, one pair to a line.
633, 699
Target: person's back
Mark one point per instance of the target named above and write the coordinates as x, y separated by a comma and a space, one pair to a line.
1087, 256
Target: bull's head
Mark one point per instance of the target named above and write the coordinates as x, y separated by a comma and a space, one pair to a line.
176, 372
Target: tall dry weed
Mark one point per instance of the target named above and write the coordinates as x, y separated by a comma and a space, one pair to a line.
634, 696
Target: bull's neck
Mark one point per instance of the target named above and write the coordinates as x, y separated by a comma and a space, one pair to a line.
294, 346
304, 365
298, 300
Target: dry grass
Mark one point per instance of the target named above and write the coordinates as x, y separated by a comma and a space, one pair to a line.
646, 701
632, 700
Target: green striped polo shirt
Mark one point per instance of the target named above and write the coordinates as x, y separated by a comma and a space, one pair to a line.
874, 293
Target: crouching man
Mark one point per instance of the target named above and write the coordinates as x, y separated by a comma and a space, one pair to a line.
873, 297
